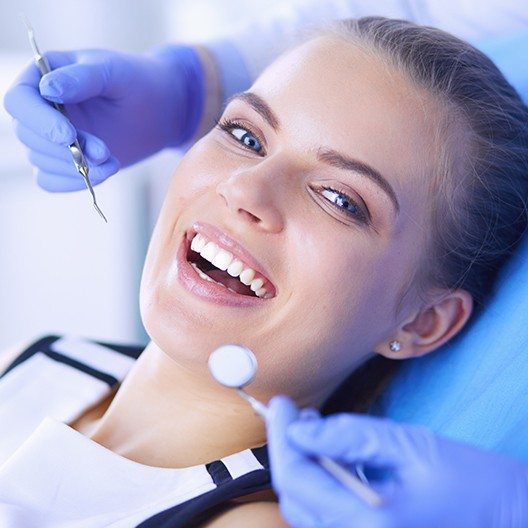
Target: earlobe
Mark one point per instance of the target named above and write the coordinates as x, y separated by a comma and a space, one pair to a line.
431, 327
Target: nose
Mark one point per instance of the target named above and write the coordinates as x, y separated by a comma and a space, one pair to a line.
252, 194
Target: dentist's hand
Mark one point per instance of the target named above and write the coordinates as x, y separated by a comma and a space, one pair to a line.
434, 482
123, 107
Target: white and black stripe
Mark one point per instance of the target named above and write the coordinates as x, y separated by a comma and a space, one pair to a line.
64, 375
229, 487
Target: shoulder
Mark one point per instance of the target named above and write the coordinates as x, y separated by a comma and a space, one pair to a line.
254, 514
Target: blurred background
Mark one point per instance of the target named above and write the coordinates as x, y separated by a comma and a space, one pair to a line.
62, 269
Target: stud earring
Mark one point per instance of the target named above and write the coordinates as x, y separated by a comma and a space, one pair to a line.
395, 346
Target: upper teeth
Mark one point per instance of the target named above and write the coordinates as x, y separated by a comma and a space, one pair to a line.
225, 261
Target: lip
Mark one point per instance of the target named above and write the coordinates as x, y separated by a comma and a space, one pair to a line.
210, 291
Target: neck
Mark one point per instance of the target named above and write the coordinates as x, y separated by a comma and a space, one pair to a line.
163, 415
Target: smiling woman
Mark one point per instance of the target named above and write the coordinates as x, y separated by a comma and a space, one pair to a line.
355, 197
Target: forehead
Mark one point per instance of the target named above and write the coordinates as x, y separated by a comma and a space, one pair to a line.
328, 92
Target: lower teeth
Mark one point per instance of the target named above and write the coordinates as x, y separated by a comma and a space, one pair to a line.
204, 276
207, 278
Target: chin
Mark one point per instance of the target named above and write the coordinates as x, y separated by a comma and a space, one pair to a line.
187, 337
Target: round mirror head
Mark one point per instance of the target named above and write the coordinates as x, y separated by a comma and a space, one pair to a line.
233, 365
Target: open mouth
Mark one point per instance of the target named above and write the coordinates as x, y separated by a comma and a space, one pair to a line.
215, 264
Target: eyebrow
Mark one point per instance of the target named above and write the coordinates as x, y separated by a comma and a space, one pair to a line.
326, 155
260, 106
335, 159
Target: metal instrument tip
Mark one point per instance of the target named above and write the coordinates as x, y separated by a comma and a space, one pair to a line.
83, 170
31, 34
26, 22
100, 212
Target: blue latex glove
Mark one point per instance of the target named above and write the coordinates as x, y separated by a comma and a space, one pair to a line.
123, 108
434, 482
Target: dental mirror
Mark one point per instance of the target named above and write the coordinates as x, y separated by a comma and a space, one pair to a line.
235, 366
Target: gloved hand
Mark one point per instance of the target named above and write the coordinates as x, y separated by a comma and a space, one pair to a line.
434, 482
125, 107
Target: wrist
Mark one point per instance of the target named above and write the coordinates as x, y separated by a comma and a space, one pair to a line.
232, 70
213, 93
184, 89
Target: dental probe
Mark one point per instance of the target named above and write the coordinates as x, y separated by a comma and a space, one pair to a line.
75, 148
235, 366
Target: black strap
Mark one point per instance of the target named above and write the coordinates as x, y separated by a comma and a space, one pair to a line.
61, 358
41, 345
200, 508
44, 345
218, 472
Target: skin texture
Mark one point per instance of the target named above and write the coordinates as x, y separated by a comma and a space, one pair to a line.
339, 282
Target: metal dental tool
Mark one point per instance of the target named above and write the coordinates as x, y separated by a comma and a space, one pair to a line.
77, 154
235, 366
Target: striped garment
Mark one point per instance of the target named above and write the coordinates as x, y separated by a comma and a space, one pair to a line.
53, 476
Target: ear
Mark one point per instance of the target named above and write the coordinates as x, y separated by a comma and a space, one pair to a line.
431, 327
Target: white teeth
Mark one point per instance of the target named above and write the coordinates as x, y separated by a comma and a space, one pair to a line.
225, 261
222, 259
198, 243
209, 251
247, 276
235, 268
256, 284
202, 274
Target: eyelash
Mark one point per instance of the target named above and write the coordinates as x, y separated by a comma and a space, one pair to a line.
228, 125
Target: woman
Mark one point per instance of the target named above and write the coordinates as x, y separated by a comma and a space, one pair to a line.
370, 183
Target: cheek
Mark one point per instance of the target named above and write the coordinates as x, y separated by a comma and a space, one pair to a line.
199, 171
337, 290
204, 165
342, 292
193, 174
347, 289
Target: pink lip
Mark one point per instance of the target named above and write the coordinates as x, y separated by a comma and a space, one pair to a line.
210, 291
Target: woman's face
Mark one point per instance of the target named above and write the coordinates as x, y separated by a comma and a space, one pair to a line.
321, 176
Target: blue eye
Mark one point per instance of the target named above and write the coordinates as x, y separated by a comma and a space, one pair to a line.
343, 202
242, 134
248, 139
